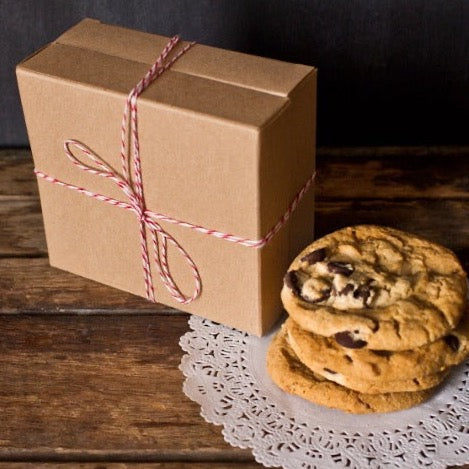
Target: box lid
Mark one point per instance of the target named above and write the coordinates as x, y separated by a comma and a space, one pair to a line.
223, 84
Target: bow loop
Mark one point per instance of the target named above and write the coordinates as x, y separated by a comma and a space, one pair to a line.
160, 252
105, 169
133, 189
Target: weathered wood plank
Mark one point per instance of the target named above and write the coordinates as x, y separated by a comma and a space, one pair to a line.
400, 175
103, 384
443, 220
21, 228
16, 174
31, 285
139, 465
106, 465
101, 387
378, 172
165, 465
130, 371
408, 151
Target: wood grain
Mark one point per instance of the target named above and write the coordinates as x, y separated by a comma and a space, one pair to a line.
99, 384
105, 465
416, 173
16, 174
103, 388
442, 220
32, 286
90, 374
165, 465
373, 172
21, 228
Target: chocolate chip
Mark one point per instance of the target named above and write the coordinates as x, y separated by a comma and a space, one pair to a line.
291, 281
325, 294
340, 268
346, 290
452, 341
346, 340
397, 327
327, 370
315, 256
363, 291
381, 353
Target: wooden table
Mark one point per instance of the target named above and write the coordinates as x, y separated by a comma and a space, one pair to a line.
89, 375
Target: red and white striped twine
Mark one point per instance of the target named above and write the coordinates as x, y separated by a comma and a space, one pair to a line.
130, 182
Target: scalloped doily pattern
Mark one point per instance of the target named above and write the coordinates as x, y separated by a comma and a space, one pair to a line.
226, 375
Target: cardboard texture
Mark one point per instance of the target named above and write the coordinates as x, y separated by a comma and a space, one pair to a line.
226, 139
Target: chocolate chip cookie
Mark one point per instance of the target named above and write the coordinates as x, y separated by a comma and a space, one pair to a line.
376, 287
287, 371
369, 371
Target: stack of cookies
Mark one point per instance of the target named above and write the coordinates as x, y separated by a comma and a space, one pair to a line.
377, 319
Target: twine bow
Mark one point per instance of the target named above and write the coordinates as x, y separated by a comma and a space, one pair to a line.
130, 182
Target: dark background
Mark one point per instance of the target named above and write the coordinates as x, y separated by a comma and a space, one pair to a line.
391, 72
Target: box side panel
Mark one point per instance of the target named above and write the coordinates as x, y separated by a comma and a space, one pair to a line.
287, 161
80, 231
182, 157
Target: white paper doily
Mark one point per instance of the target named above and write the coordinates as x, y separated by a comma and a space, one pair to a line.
226, 374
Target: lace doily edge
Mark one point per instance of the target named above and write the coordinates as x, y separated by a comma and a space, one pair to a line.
190, 390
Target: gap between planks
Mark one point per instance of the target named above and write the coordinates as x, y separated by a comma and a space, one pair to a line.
226, 458
132, 465
176, 464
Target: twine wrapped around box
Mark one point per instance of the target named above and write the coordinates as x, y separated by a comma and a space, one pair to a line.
131, 184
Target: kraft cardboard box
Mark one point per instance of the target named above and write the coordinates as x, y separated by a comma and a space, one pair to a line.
226, 142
